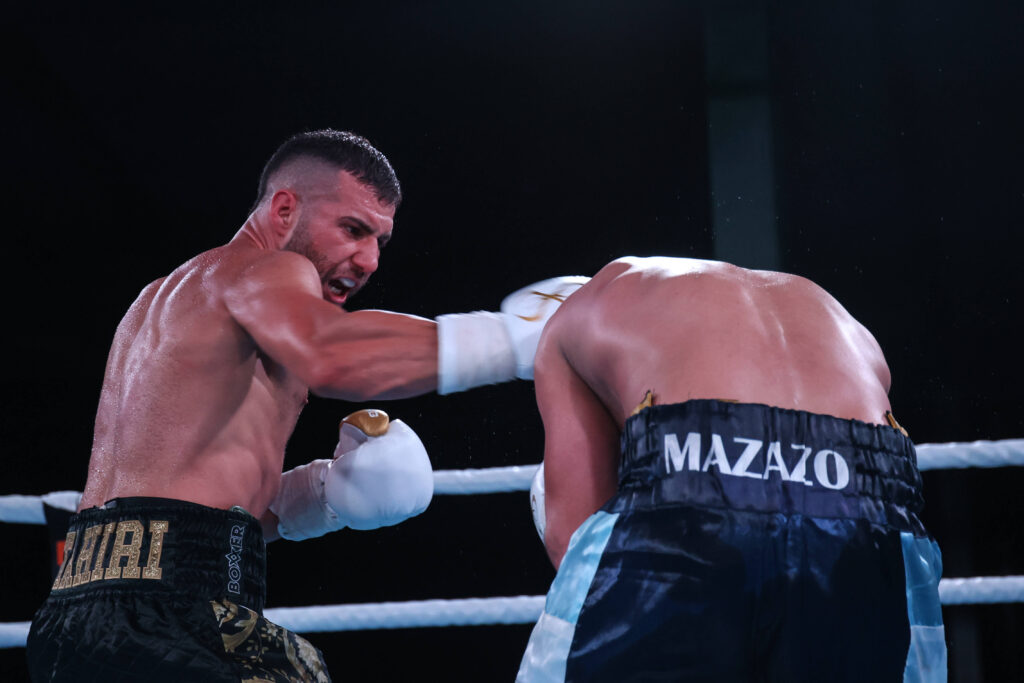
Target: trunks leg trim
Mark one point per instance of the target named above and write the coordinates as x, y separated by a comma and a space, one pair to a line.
548, 649
926, 657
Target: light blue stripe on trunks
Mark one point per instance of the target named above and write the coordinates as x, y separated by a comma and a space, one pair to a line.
548, 649
922, 564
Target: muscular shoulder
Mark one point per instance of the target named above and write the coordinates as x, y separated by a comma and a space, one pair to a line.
136, 314
147, 294
624, 288
579, 312
627, 282
653, 269
245, 271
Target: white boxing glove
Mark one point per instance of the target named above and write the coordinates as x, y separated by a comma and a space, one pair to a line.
537, 501
380, 476
486, 348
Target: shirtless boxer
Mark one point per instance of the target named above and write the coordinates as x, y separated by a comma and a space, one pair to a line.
755, 517
163, 572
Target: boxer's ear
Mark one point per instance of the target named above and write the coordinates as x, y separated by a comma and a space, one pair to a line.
284, 212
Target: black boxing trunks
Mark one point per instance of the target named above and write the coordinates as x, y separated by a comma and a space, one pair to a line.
153, 589
749, 543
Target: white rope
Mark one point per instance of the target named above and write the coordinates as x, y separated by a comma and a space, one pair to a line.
930, 456
954, 456
1006, 453
14, 633
19, 509
522, 609
488, 480
981, 590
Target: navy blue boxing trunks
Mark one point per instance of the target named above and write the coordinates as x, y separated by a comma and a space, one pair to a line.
749, 543
152, 589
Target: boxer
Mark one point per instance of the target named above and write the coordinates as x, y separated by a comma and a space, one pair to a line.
207, 374
725, 492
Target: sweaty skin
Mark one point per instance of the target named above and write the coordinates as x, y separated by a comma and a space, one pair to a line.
211, 366
686, 329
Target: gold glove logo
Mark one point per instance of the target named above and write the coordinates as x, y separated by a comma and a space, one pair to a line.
544, 298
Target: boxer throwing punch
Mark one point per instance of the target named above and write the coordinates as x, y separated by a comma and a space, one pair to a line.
725, 493
163, 573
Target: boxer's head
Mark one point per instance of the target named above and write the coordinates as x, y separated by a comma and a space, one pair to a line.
333, 197
342, 150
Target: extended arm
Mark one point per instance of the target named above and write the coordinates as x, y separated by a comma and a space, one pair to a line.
580, 447
354, 356
379, 354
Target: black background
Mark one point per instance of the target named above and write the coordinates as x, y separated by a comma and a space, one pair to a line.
532, 139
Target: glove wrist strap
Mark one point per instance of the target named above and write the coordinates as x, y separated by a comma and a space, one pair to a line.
301, 508
474, 349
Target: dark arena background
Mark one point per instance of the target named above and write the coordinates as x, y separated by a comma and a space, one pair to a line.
874, 147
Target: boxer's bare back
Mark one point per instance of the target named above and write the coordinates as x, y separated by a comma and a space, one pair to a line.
687, 329
705, 329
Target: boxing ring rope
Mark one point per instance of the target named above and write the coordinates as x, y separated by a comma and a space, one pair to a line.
526, 609
1005, 453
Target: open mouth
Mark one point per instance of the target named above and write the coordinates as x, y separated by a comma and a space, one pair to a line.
339, 289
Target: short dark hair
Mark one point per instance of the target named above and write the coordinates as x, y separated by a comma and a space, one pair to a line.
344, 150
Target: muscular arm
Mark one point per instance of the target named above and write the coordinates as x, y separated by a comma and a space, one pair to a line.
351, 356
580, 447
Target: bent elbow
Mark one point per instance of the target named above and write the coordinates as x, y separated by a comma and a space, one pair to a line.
330, 380
344, 382
333, 391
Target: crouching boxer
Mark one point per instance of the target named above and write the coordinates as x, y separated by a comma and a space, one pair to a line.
206, 377
725, 493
